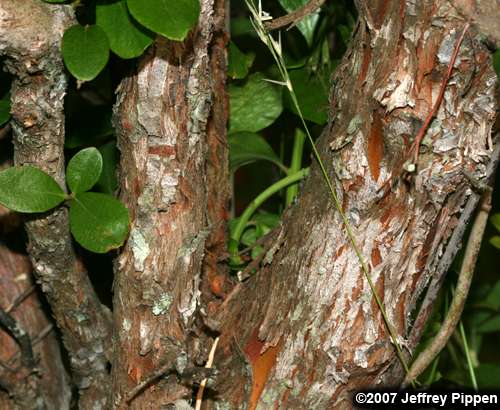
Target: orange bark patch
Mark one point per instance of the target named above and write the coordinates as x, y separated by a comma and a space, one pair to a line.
381, 13
375, 145
376, 257
162, 150
367, 57
135, 374
262, 364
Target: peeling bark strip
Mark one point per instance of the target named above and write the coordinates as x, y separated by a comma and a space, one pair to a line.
312, 302
38, 89
173, 159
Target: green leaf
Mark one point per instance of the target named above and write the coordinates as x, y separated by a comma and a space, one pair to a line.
496, 61
27, 189
488, 376
98, 221
254, 105
83, 170
85, 51
312, 96
490, 325
493, 298
4, 111
238, 62
127, 38
249, 237
170, 18
308, 24
267, 220
495, 241
495, 220
108, 182
242, 26
247, 147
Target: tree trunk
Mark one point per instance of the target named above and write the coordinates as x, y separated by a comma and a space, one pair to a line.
170, 120
305, 331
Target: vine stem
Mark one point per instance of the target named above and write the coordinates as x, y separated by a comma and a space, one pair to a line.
258, 201
295, 164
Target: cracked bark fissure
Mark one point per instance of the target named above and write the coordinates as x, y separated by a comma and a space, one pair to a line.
37, 95
170, 120
305, 331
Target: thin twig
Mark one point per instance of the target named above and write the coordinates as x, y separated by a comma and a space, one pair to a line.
295, 16
439, 100
462, 289
208, 365
415, 147
166, 368
20, 298
37, 339
21, 337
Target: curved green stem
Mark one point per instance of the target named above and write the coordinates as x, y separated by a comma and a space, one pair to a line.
258, 201
296, 164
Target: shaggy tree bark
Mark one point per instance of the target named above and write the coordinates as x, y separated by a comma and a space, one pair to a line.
170, 120
305, 331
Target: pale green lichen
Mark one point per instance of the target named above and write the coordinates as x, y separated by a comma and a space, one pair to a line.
140, 249
354, 124
194, 243
162, 305
297, 312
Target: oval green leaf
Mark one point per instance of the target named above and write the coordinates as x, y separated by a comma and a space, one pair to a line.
254, 105
238, 62
247, 147
170, 18
28, 189
127, 38
85, 51
108, 181
495, 220
4, 111
84, 170
312, 95
308, 24
98, 221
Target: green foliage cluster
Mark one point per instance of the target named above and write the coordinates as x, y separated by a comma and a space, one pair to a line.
98, 221
125, 27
